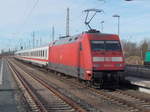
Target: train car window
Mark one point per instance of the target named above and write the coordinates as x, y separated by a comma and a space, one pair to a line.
43, 53
112, 45
97, 45
46, 53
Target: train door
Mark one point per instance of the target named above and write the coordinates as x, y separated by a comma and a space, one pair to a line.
80, 61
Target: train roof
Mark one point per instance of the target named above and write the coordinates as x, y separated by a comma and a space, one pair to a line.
70, 39
33, 49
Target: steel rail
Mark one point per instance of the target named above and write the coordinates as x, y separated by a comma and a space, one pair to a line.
34, 98
115, 99
66, 99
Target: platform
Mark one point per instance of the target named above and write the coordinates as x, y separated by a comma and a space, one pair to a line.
144, 84
9, 99
139, 81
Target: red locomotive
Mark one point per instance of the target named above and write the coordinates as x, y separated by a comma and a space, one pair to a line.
91, 56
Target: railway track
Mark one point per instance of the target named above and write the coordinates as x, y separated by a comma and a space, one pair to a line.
130, 102
57, 101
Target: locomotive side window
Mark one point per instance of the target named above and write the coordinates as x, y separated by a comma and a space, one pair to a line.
113, 45
97, 45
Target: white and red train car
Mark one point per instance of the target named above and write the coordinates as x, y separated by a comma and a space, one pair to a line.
38, 56
91, 56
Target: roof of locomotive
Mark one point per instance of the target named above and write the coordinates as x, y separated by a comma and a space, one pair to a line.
70, 39
66, 40
96, 32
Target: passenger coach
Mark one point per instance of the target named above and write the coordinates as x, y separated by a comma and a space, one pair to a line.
37, 56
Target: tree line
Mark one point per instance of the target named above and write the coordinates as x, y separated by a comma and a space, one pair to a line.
134, 49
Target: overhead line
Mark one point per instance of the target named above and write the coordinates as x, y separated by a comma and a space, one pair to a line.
30, 13
34, 6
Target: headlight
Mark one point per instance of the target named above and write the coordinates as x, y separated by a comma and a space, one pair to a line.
89, 72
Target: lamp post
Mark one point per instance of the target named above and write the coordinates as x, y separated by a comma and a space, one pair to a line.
102, 26
128, 0
117, 16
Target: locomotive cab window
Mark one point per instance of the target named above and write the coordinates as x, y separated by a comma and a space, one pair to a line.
97, 45
109, 45
113, 45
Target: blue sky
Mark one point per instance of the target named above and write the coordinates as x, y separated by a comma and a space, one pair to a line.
16, 24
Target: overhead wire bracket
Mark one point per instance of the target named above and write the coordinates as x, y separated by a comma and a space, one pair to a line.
87, 21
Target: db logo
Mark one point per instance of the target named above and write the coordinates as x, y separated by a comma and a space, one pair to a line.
107, 58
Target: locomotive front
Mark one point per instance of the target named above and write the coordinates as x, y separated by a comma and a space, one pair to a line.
106, 57
107, 53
